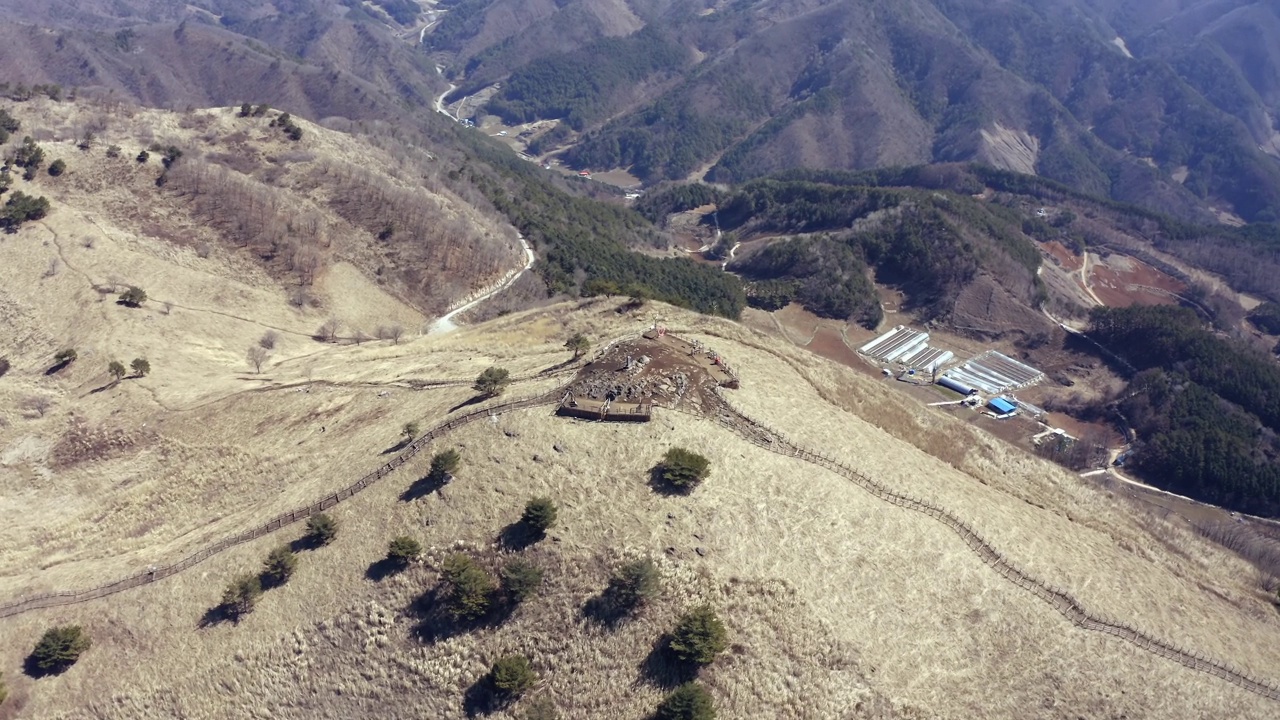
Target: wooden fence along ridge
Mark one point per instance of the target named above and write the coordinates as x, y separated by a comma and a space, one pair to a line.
1059, 599
756, 434
68, 597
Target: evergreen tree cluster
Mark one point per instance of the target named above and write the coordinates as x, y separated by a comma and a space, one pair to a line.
576, 86
586, 244
20, 208
1206, 409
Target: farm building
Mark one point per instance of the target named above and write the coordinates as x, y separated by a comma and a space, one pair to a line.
929, 359
994, 373
1001, 406
959, 387
908, 347
896, 344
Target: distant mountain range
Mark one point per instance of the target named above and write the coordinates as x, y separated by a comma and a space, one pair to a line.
1171, 104
1167, 103
317, 58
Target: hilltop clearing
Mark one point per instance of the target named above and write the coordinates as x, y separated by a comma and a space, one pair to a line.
871, 609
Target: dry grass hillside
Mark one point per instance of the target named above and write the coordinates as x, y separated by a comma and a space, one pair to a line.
310, 213
838, 605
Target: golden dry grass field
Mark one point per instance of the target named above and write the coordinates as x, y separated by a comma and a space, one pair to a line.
838, 605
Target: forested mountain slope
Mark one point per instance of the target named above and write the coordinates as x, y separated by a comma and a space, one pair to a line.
1167, 105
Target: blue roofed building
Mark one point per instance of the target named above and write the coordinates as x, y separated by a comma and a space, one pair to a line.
1001, 406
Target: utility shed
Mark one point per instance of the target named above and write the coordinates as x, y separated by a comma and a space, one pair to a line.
959, 387
1001, 406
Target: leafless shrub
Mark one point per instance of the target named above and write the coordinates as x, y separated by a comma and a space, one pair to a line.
37, 405
257, 355
391, 332
359, 336
242, 164
328, 332
87, 242
203, 250
53, 268
83, 443
168, 307
300, 298
269, 339
250, 214
1269, 582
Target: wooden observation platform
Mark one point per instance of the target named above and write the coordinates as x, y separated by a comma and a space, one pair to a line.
607, 410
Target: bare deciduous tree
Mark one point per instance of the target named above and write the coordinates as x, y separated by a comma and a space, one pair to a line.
391, 332
269, 340
38, 404
257, 355
329, 330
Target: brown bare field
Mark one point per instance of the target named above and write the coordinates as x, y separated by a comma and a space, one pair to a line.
1120, 281
1065, 258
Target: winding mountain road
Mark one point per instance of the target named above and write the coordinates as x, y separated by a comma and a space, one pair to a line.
445, 323
440, 108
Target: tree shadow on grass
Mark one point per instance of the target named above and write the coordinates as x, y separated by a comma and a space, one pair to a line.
559, 366
483, 699
519, 535
404, 443
424, 486
306, 542
56, 368
384, 568
664, 669
215, 615
469, 402
608, 609
661, 486
31, 668
435, 622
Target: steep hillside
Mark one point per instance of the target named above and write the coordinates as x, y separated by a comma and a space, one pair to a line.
306, 211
